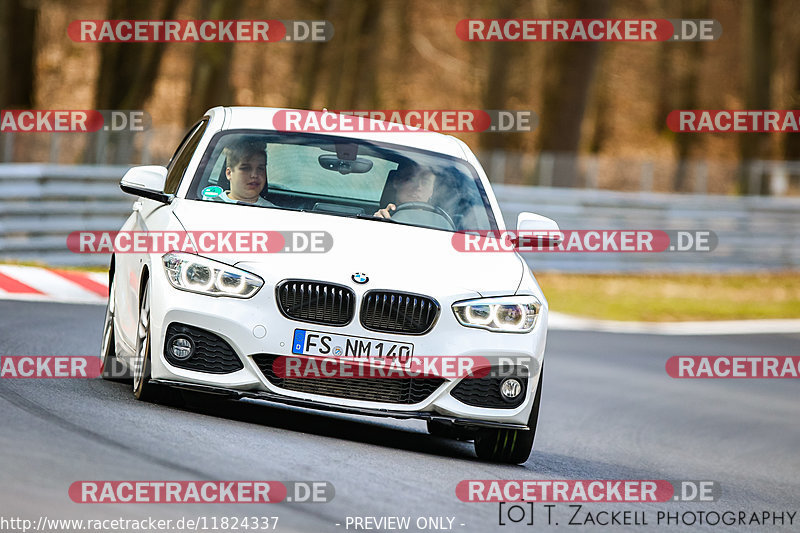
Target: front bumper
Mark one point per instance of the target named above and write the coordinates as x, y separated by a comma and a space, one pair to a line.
239, 321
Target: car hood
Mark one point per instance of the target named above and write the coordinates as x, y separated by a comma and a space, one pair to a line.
393, 256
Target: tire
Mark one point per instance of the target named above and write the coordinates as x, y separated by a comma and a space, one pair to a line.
511, 446
111, 368
142, 388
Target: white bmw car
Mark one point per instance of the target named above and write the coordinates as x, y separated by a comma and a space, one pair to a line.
384, 280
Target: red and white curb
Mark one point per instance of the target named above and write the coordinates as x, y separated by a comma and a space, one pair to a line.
52, 285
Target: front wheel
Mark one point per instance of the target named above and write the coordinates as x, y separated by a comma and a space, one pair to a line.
511, 446
142, 388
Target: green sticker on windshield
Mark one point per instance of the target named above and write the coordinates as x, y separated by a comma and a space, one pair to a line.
211, 192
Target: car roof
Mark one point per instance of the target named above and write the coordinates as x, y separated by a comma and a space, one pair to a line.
262, 118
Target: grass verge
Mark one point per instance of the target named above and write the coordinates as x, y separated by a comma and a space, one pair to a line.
674, 297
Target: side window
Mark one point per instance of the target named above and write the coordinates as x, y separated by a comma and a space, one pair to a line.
179, 162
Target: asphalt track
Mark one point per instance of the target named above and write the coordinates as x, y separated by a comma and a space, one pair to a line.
609, 411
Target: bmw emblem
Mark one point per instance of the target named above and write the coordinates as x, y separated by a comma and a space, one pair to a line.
359, 277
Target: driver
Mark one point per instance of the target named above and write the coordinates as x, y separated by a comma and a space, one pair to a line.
409, 184
246, 169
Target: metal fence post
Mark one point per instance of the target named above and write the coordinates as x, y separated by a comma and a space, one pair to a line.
100, 147
146, 136
755, 169
498, 166
701, 177
55, 146
547, 162
8, 147
592, 165
646, 178
778, 178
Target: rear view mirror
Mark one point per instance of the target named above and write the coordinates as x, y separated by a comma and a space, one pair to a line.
344, 166
544, 230
146, 181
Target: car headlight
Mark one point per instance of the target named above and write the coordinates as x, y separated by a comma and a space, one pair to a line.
508, 314
192, 273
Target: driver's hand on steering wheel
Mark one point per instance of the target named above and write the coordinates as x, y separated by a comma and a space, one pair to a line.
384, 213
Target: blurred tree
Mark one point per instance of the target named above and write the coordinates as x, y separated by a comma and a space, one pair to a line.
308, 58
687, 88
362, 89
211, 67
131, 86
17, 52
791, 144
502, 58
599, 111
353, 69
571, 70
402, 16
758, 63
665, 86
127, 76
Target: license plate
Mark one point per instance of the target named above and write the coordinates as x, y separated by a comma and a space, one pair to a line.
319, 343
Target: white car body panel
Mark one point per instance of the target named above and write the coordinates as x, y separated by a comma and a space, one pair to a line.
394, 256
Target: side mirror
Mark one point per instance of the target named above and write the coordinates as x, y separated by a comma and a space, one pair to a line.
544, 230
147, 181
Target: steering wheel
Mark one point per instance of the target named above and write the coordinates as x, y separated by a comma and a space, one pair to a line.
424, 206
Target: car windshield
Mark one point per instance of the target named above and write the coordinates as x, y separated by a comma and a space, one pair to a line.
342, 177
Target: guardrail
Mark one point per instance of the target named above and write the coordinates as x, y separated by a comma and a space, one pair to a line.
41, 204
755, 233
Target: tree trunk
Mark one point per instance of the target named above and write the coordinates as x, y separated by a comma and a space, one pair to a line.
131, 86
791, 144
570, 71
17, 53
688, 90
500, 63
354, 70
309, 60
757, 21
341, 66
212, 64
126, 77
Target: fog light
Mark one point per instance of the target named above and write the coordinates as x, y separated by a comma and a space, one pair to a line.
182, 347
510, 389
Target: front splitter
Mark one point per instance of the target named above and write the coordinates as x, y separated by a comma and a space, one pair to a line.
273, 397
